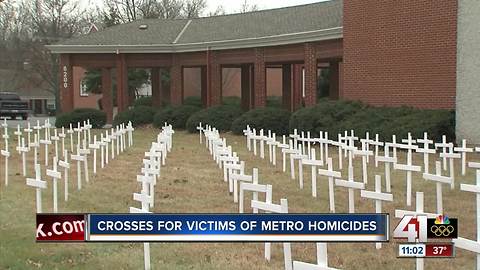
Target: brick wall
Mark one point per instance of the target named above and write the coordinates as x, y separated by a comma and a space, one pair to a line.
310, 75
400, 52
260, 83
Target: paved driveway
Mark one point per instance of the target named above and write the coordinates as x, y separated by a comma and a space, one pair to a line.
31, 119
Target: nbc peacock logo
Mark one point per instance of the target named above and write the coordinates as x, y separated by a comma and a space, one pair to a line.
442, 220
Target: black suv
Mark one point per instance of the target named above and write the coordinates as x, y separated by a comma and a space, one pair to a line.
11, 105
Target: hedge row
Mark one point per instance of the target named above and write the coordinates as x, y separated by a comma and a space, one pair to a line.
98, 119
333, 117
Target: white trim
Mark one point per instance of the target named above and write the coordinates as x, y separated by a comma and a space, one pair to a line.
181, 32
276, 40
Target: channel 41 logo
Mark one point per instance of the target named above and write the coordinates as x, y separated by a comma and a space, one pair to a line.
422, 228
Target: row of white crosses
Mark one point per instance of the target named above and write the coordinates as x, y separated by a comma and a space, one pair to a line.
150, 171
81, 157
299, 147
239, 183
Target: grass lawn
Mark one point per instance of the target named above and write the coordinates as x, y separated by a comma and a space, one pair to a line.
191, 182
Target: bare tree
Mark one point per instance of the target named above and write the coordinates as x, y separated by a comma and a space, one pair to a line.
246, 7
123, 11
52, 21
193, 8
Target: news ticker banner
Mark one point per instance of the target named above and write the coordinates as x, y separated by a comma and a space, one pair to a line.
213, 227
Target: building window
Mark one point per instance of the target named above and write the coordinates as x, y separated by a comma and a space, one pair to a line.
83, 88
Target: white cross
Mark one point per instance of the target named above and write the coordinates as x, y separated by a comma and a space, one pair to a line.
439, 179
409, 167
23, 149
351, 184
378, 196
426, 150
246, 132
130, 130
272, 147
19, 136
295, 136
152, 170
450, 156
331, 174
254, 138
365, 153
227, 160
313, 162
35, 145
46, 142
387, 160
38, 184
70, 131
367, 142
393, 145
62, 135
6, 154
255, 189
350, 149
377, 144
102, 144
464, 150
55, 174
240, 177
107, 142
340, 144
418, 212
291, 151
89, 128
231, 168
463, 243
118, 139
29, 131
299, 156
275, 208
95, 146
79, 159
85, 152
144, 199
200, 131
55, 138
148, 187
38, 128
322, 260
321, 142
444, 145
66, 166
282, 146
113, 138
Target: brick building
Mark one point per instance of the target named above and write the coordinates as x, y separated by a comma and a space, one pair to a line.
387, 53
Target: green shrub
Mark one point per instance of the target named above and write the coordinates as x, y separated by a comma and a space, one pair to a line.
232, 101
140, 115
220, 117
176, 116
272, 119
97, 118
274, 102
143, 101
325, 116
337, 116
193, 101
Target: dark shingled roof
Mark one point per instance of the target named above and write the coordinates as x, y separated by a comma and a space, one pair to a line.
265, 23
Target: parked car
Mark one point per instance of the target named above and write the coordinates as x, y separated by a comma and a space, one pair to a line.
12, 106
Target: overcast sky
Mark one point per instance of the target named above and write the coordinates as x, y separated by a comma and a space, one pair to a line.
232, 6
